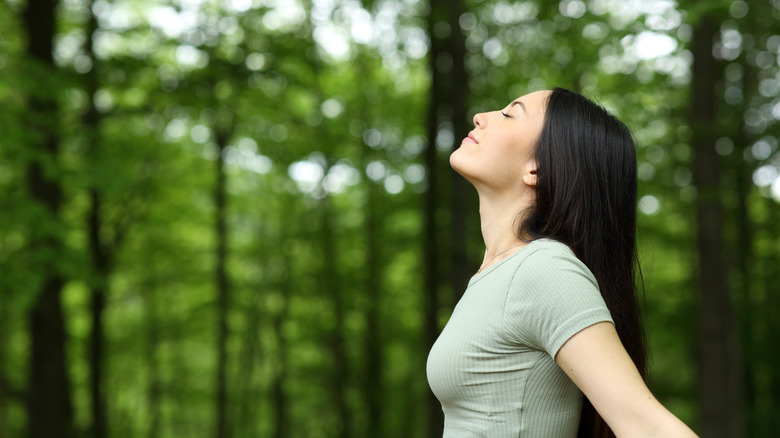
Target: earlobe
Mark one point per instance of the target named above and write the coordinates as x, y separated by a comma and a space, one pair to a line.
530, 178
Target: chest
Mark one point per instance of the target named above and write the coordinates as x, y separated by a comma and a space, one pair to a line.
473, 359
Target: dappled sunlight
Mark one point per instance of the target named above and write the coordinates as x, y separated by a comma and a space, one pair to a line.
311, 178
649, 205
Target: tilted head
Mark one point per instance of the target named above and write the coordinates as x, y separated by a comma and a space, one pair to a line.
497, 157
571, 163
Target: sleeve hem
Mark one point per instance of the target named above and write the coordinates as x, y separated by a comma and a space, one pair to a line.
575, 325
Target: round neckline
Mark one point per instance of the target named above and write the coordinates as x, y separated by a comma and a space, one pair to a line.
476, 277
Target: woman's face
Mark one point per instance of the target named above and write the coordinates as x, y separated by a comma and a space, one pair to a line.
500, 149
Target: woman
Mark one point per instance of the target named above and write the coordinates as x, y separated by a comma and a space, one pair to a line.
551, 313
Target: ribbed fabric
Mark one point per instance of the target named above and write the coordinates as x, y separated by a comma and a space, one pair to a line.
492, 367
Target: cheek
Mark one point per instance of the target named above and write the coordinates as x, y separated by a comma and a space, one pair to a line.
523, 148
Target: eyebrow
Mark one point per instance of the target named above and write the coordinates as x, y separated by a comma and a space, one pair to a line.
517, 102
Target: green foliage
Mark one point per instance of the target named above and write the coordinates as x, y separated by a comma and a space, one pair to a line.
323, 112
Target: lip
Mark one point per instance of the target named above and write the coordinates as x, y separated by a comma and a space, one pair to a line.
471, 138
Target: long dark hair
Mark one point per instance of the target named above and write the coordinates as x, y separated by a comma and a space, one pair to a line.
586, 199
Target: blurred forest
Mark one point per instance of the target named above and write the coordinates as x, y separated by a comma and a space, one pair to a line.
235, 218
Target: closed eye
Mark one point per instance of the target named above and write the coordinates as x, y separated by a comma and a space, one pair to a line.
505, 114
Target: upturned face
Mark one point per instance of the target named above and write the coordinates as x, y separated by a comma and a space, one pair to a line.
498, 153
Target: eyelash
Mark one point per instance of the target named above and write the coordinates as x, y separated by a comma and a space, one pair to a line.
505, 114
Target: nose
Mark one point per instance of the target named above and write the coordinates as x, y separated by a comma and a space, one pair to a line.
479, 120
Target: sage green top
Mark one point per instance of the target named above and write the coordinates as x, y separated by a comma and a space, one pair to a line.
492, 367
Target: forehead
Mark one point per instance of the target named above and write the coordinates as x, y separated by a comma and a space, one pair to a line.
535, 101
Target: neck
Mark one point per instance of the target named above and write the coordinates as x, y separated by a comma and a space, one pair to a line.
499, 220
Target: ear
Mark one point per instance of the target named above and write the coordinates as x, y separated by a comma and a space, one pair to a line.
529, 175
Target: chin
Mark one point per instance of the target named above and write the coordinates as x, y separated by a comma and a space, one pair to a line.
456, 161
460, 164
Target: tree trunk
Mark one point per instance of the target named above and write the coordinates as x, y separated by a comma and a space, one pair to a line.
49, 412
456, 96
768, 314
152, 332
430, 237
373, 225
748, 320
279, 393
99, 252
222, 287
280, 429
447, 104
373, 339
247, 392
720, 376
3, 379
339, 380
97, 336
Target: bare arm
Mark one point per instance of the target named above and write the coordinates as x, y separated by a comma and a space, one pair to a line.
597, 363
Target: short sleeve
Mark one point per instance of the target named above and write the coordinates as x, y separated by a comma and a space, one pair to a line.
552, 297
